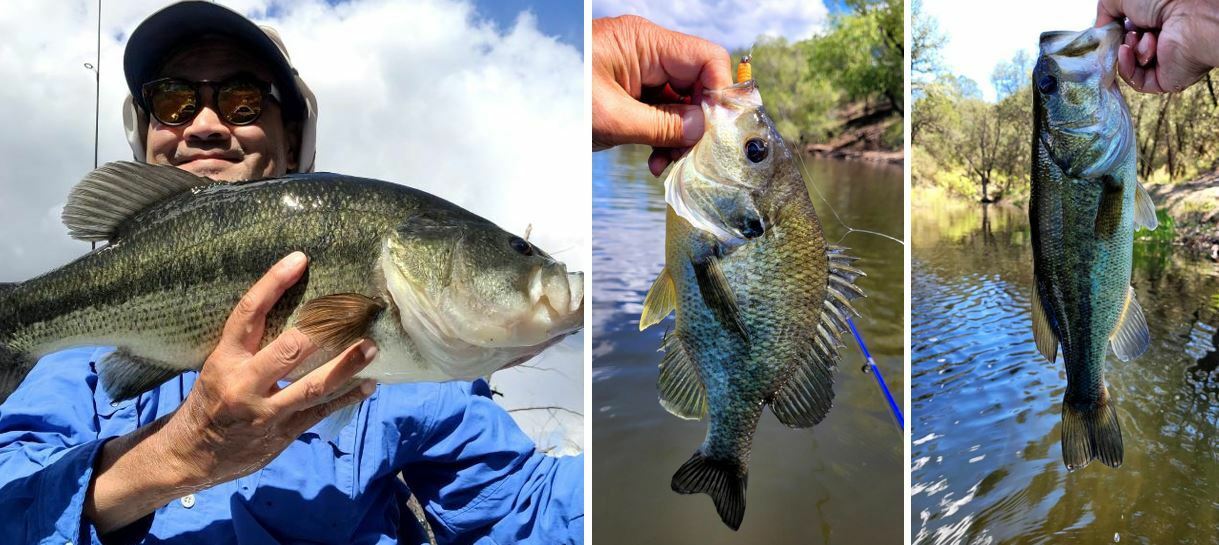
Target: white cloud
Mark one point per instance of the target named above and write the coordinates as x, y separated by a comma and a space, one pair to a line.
981, 34
423, 93
730, 23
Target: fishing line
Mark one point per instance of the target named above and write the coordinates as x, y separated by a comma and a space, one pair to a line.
807, 176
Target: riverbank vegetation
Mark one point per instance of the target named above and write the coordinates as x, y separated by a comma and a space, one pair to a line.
828, 96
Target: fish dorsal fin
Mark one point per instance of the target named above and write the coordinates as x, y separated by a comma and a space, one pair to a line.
125, 375
806, 397
660, 301
682, 392
1043, 334
1144, 209
1130, 338
114, 192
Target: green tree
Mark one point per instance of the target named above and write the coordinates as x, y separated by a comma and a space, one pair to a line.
863, 52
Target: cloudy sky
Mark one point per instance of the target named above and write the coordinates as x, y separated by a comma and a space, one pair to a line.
731, 23
981, 34
480, 104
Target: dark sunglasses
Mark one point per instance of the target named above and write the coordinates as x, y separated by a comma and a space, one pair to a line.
176, 101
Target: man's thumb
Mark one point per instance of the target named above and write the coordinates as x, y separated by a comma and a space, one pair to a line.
663, 126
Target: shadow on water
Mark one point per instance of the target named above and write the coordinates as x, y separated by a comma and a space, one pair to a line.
840, 482
986, 460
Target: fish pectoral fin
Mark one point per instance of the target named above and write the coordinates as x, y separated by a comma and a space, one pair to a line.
1144, 209
713, 286
1043, 333
106, 198
125, 375
682, 392
806, 397
1130, 338
660, 301
339, 320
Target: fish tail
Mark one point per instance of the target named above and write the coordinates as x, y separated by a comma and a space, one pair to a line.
1090, 432
724, 481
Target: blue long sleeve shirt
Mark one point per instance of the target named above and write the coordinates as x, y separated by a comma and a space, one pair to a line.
476, 475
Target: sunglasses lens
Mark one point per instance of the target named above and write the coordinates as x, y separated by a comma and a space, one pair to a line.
173, 102
240, 102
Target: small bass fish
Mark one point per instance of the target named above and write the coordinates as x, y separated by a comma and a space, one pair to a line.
760, 297
444, 293
1086, 203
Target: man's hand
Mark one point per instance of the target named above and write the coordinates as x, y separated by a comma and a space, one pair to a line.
1169, 44
235, 419
647, 86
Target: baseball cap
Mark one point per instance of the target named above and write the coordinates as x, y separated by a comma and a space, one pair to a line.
163, 31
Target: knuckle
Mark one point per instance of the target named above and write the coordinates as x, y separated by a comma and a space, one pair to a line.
247, 306
288, 349
314, 390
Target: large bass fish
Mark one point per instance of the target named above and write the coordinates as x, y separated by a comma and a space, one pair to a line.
444, 293
1085, 205
761, 298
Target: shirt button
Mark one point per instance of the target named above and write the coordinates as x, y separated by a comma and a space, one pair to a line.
188, 501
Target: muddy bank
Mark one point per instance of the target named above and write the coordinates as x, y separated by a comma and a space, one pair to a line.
1194, 209
861, 137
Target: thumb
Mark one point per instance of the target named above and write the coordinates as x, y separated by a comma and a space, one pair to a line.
663, 126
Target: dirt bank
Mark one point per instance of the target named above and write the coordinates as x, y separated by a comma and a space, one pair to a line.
861, 137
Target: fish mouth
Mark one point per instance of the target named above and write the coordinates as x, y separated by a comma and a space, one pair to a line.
556, 298
1081, 53
739, 97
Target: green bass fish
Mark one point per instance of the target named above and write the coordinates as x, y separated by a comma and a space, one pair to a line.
760, 297
444, 293
1086, 203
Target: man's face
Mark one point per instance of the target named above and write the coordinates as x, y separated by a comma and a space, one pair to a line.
207, 145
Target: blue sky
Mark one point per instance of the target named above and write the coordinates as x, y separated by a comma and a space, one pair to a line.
563, 19
733, 24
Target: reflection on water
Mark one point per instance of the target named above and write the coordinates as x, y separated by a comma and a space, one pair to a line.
986, 461
840, 482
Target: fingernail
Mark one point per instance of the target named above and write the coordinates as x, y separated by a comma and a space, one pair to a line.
692, 125
368, 386
369, 350
1144, 50
294, 259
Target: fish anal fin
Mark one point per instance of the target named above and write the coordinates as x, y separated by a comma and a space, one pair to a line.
682, 392
125, 375
717, 294
724, 481
337, 321
1090, 431
660, 301
1144, 209
1043, 332
1131, 337
115, 192
806, 397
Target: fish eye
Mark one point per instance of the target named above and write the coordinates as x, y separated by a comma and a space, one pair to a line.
1047, 84
521, 246
755, 150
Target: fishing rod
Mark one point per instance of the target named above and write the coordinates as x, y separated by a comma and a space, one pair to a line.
872, 369
96, 68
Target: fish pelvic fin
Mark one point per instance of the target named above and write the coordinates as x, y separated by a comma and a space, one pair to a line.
1131, 337
714, 288
1090, 431
660, 301
125, 375
106, 198
724, 481
682, 392
1043, 332
337, 321
1144, 209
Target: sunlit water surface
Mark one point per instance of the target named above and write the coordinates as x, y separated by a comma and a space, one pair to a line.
986, 462
839, 482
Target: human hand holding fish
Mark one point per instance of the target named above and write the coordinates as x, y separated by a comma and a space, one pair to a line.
236, 419
1173, 39
642, 74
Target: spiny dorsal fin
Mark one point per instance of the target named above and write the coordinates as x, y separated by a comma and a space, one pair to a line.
660, 301
682, 392
805, 398
1144, 209
718, 295
109, 196
1043, 334
337, 321
1130, 338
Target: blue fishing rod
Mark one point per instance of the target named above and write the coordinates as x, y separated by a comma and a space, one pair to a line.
880, 381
